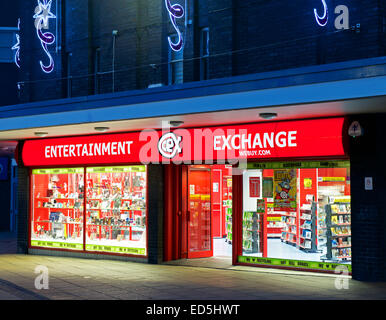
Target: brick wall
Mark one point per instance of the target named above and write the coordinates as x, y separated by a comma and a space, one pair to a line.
5, 200
23, 196
77, 43
8, 84
367, 154
155, 213
273, 35
248, 36
138, 43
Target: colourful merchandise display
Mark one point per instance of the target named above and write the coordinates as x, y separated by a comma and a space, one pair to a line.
308, 218
114, 199
339, 229
57, 208
252, 233
116, 208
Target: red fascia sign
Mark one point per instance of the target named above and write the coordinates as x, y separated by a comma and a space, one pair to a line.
287, 139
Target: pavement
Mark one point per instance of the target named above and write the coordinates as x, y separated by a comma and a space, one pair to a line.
7, 242
89, 279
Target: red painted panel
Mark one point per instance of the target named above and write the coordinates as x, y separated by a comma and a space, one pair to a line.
237, 189
173, 226
216, 223
216, 201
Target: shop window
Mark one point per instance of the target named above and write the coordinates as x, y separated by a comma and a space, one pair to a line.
116, 210
295, 213
57, 208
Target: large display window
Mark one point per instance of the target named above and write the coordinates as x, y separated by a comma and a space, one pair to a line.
113, 201
116, 209
57, 208
297, 213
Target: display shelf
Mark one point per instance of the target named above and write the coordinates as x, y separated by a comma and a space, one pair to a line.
109, 209
342, 247
227, 206
338, 233
321, 223
288, 215
49, 221
117, 226
341, 213
341, 235
252, 232
58, 208
308, 226
289, 230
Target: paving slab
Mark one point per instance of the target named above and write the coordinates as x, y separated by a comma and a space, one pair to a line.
87, 279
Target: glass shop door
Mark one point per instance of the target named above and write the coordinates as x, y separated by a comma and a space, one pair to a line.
200, 240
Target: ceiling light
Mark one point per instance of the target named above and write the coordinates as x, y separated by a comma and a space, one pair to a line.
176, 123
101, 129
41, 134
268, 115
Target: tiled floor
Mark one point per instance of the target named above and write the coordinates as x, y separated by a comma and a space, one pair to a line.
278, 249
221, 248
7, 242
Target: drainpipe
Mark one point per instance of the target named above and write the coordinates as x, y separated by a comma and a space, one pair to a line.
115, 33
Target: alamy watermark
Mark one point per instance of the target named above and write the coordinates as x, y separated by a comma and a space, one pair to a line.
342, 280
198, 146
42, 280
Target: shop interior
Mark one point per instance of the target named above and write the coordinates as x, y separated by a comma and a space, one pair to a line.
299, 214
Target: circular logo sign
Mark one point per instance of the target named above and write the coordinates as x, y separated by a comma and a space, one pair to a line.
355, 129
169, 145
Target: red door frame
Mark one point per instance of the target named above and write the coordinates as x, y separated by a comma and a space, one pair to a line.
237, 209
199, 254
176, 212
173, 212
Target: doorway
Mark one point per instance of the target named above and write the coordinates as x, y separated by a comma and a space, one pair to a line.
209, 212
197, 212
199, 217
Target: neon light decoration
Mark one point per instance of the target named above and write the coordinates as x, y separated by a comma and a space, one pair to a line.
176, 11
17, 46
42, 15
322, 20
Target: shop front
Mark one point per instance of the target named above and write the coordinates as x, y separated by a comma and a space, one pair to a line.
295, 214
272, 194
